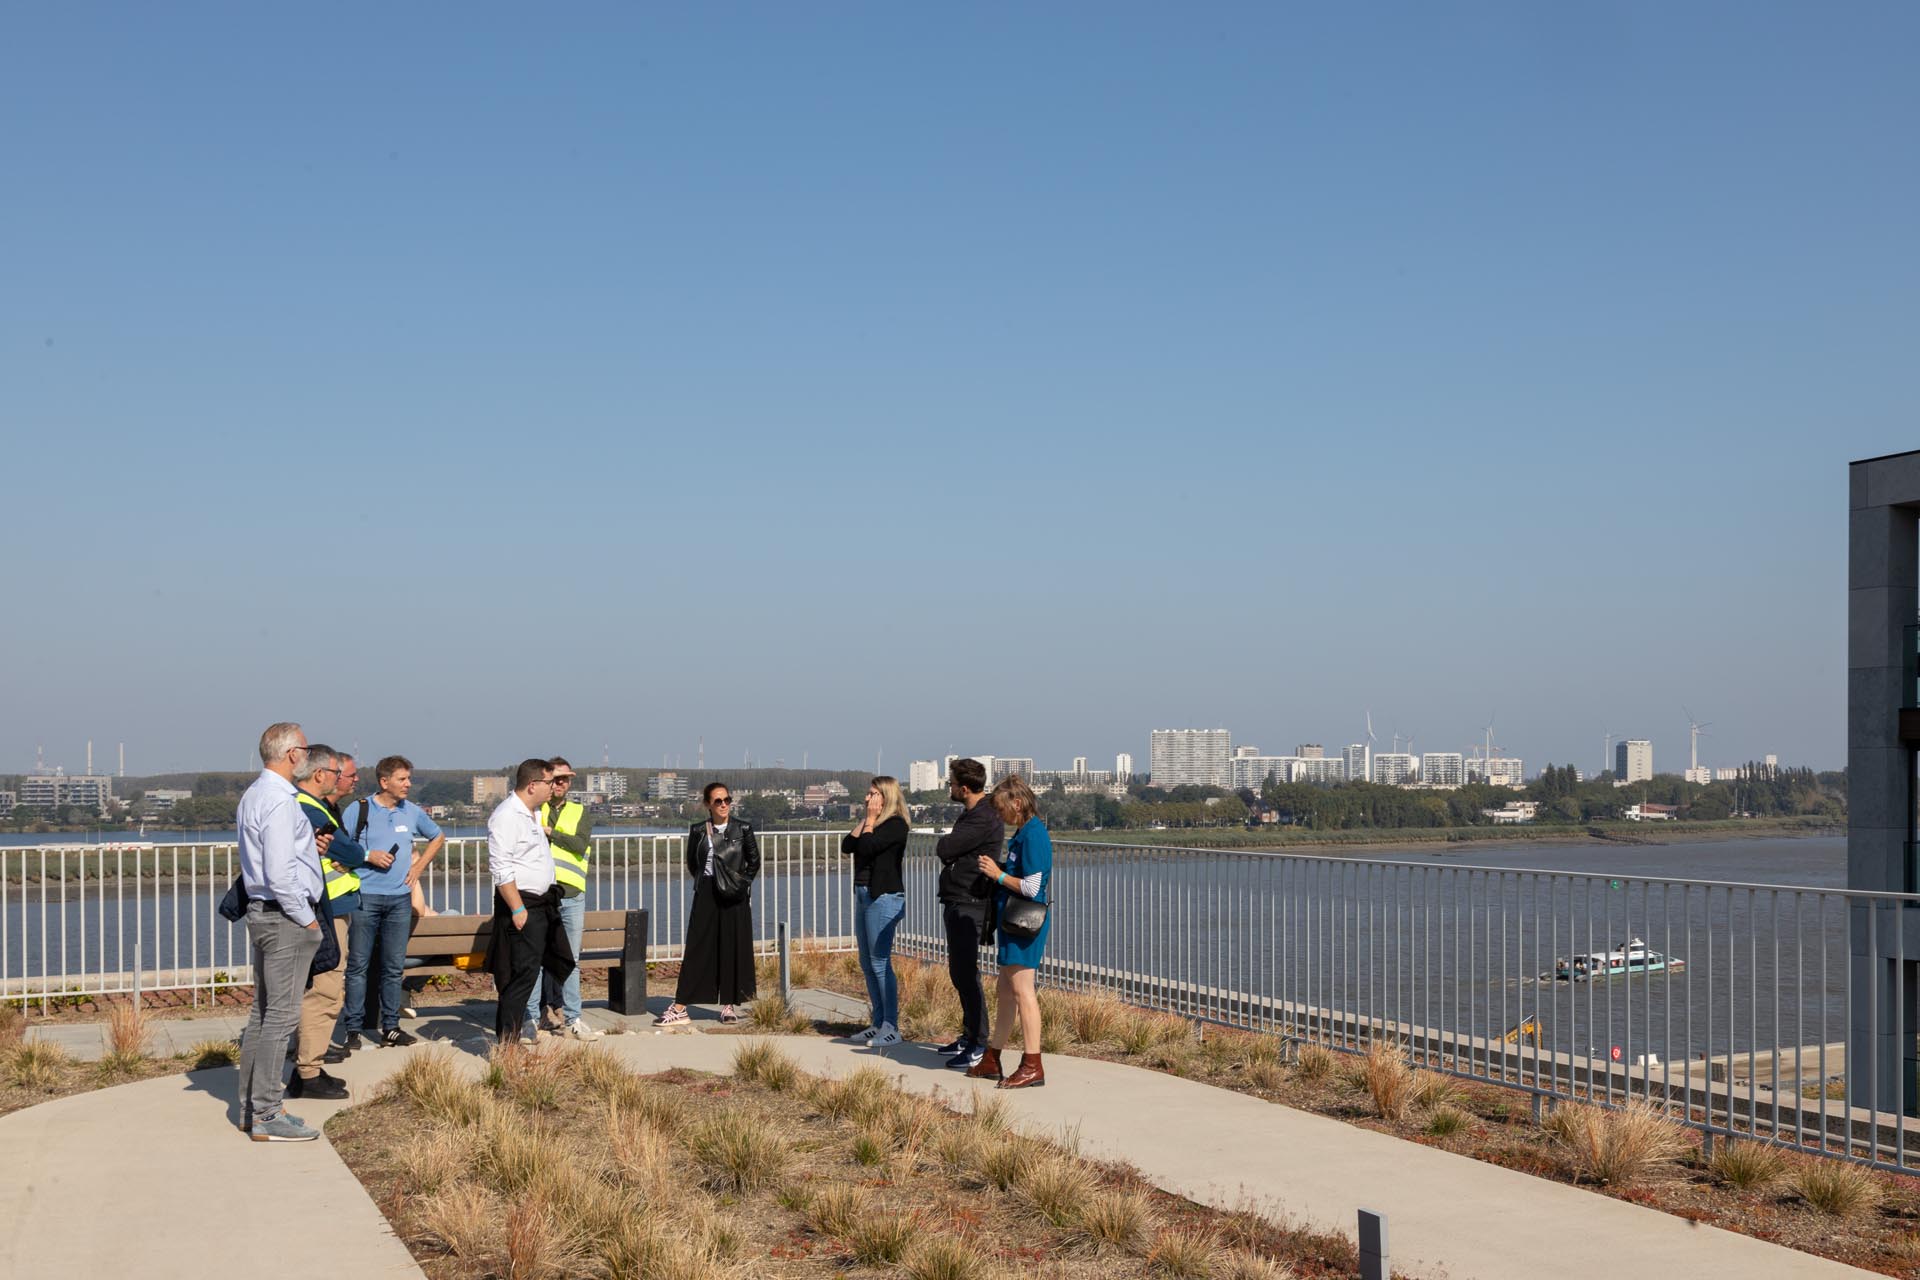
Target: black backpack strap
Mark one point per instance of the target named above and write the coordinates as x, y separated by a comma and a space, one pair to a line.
360, 824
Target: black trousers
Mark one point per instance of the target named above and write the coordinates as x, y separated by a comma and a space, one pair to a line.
716, 965
966, 926
540, 945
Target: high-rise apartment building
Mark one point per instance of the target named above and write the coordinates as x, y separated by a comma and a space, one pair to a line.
1252, 772
607, 783
924, 775
1443, 768
1003, 767
1392, 768
1190, 757
1310, 751
1245, 750
667, 786
56, 790
1497, 771
489, 788
1359, 762
1321, 769
1633, 760
1123, 768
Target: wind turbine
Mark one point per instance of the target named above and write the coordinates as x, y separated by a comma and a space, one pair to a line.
1366, 761
1694, 729
1486, 759
1606, 753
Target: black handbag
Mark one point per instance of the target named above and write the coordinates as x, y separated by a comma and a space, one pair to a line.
1021, 919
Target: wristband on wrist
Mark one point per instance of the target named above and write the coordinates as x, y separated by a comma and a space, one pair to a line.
519, 911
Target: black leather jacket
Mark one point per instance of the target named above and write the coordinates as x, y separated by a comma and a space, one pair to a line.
736, 859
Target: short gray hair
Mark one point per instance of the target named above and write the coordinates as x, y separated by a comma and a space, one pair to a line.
316, 759
278, 740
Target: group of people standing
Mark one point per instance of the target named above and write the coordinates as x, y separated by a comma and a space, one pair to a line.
325, 889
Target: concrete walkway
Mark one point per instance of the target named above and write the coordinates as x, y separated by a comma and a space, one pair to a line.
146, 1179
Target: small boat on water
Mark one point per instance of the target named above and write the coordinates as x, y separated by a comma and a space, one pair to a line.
1636, 957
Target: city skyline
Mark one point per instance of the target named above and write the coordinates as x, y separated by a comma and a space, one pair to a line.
1420, 361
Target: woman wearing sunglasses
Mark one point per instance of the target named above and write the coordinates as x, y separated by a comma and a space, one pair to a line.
716, 964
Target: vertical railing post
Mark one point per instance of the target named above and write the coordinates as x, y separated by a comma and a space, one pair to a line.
786, 966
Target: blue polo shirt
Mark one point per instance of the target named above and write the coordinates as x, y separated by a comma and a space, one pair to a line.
385, 829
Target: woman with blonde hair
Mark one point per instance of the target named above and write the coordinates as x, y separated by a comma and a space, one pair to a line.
877, 842
1022, 890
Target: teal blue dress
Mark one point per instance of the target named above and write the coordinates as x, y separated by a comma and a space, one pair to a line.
1030, 850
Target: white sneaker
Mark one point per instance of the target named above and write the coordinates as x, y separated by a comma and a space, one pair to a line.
581, 1031
867, 1036
886, 1038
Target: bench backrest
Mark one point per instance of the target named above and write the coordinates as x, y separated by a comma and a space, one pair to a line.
469, 935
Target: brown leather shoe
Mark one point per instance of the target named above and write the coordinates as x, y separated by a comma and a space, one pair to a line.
1029, 1075
988, 1068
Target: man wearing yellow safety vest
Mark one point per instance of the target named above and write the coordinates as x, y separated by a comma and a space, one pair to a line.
320, 1007
569, 829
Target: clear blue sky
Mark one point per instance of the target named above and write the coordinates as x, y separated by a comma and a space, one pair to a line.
480, 381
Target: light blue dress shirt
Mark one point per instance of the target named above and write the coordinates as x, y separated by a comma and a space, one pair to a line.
278, 858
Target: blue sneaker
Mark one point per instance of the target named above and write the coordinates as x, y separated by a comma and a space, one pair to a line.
969, 1055
950, 1049
283, 1128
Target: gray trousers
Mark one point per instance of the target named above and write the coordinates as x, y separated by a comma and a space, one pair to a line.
282, 953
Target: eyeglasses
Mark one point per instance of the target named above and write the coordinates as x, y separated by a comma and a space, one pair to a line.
717, 801
563, 780
324, 769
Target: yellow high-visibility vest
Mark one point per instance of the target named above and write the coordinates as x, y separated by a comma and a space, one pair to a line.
569, 868
340, 881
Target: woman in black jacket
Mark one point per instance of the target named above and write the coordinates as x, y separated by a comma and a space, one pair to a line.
879, 900
716, 964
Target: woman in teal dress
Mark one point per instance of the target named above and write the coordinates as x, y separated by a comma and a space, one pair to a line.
1028, 872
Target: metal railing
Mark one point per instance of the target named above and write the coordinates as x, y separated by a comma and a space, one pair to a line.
79, 921
1734, 1014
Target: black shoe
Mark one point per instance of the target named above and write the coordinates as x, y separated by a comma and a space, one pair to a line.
969, 1055
353, 1042
321, 1086
336, 1054
396, 1039
950, 1049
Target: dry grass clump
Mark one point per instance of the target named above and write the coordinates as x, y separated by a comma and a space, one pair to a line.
1183, 1253
597, 1070
1059, 1189
1316, 1062
13, 1027
1446, 1120
640, 1150
1615, 1147
959, 1147
435, 1160
1143, 1029
464, 1220
991, 1111
860, 1097
1431, 1090
944, 1258
435, 1083
772, 1014
37, 1064
736, 1152
1007, 1163
1389, 1081
882, 1239
1240, 1265
1748, 1166
765, 1065
838, 1208
1266, 1075
127, 1038
1838, 1187
1174, 1057
213, 1053
1094, 1018
869, 1148
535, 1081
647, 1103
1120, 1219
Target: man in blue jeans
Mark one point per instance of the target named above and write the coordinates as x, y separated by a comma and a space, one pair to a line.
385, 918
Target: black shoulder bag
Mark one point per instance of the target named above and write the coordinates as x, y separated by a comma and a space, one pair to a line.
1022, 918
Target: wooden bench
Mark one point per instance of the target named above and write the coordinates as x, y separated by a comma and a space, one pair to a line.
616, 940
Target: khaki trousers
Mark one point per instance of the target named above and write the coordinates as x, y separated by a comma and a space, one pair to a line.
320, 1008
